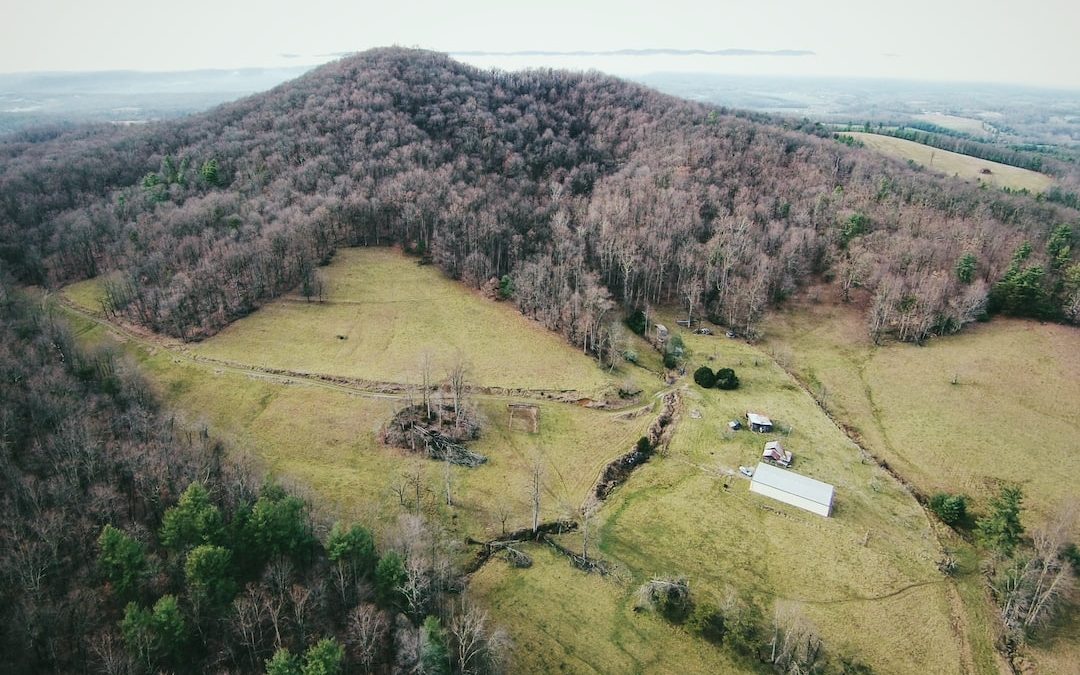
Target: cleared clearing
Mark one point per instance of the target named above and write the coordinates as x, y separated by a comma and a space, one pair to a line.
967, 125
675, 516
872, 565
383, 311
1010, 417
327, 439
955, 164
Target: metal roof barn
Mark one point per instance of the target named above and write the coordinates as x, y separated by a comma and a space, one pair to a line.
792, 488
755, 418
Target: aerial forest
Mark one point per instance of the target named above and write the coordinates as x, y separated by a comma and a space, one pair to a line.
582, 192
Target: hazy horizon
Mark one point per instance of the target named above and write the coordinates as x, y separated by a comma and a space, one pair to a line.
963, 41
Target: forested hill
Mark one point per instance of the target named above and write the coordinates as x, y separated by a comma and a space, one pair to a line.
582, 188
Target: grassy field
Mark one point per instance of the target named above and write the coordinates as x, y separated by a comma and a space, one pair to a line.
965, 125
326, 438
1011, 413
390, 311
872, 565
955, 164
568, 622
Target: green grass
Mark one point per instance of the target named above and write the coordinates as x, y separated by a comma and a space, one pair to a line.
871, 565
327, 439
967, 125
87, 295
390, 311
675, 517
1010, 418
569, 622
952, 163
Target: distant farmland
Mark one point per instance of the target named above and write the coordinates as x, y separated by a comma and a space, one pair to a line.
955, 164
965, 125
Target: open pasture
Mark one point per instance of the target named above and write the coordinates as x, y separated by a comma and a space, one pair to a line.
954, 164
383, 312
965, 413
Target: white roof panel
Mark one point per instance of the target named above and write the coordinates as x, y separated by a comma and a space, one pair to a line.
793, 483
755, 418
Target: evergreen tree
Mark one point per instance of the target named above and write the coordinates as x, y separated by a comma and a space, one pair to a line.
193, 521
1000, 529
353, 548
277, 525
434, 658
209, 172
283, 662
325, 657
726, 379
122, 560
705, 377
209, 575
389, 577
965, 268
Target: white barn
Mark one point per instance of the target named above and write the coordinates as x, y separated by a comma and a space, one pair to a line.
792, 488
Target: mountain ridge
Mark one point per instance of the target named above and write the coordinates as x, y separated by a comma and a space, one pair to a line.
582, 188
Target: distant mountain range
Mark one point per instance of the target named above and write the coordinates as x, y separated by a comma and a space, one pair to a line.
643, 52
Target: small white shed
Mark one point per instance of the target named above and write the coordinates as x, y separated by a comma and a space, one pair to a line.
792, 488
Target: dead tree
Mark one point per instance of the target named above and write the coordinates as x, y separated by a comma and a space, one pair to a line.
456, 375
796, 646
425, 381
536, 494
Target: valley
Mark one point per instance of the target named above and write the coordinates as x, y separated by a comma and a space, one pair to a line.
388, 369
685, 513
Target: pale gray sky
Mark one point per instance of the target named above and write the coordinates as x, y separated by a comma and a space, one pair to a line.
1033, 42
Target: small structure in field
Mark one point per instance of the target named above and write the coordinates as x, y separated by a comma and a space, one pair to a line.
775, 453
734, 425
661, 333
759, 423
527, 416
792, 488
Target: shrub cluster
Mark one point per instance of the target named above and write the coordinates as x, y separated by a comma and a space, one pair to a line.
724, 378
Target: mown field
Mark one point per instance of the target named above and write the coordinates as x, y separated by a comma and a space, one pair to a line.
955, 164
684, 514
871, 565
967, 125
383, 312
1010, 415
1010, 418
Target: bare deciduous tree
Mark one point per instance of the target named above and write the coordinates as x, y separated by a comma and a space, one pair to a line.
425, 380
457, 375
796, 647
366, 634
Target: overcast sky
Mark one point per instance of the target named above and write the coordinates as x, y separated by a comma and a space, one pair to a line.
1033, 42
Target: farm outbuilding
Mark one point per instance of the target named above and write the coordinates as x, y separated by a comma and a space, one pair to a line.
792, 488
759, 422
776, 454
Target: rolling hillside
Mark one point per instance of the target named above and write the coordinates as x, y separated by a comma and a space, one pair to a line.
954, 164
